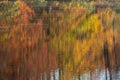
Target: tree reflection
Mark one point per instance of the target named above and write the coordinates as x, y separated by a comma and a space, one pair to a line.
75, 40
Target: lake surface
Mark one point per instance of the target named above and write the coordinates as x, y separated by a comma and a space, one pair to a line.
39, 64
59, 41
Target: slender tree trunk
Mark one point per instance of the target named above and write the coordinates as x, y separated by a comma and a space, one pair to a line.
114, 51
107, 60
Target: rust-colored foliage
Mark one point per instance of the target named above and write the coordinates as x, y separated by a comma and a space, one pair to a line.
68, 37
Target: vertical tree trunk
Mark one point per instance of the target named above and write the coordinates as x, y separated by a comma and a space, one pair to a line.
107, 60
114, 51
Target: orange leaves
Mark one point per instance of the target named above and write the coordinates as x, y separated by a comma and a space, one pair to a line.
26, 12
25, 35
15, 12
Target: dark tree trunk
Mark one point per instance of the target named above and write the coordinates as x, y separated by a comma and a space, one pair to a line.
107, 61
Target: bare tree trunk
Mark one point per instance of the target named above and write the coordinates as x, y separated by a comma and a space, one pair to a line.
114, 47
107, 60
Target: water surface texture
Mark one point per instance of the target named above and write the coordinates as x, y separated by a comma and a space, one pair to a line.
60, 40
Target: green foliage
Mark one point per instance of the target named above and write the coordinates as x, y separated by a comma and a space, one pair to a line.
12, 12
90, 7
9, 11
37, 3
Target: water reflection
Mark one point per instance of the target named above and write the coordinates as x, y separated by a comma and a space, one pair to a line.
97, 75
40, 63
60, 45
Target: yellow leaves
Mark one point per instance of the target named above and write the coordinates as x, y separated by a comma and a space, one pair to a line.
95, 23
80, 51
91, 23
4, 37
85, 48
77, 53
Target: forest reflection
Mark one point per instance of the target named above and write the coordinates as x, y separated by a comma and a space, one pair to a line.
40, 63
59, 41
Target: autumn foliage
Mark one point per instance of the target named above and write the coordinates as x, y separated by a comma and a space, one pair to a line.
68, 37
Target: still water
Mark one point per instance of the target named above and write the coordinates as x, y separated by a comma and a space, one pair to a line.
74, 43
40, 64
97, 75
